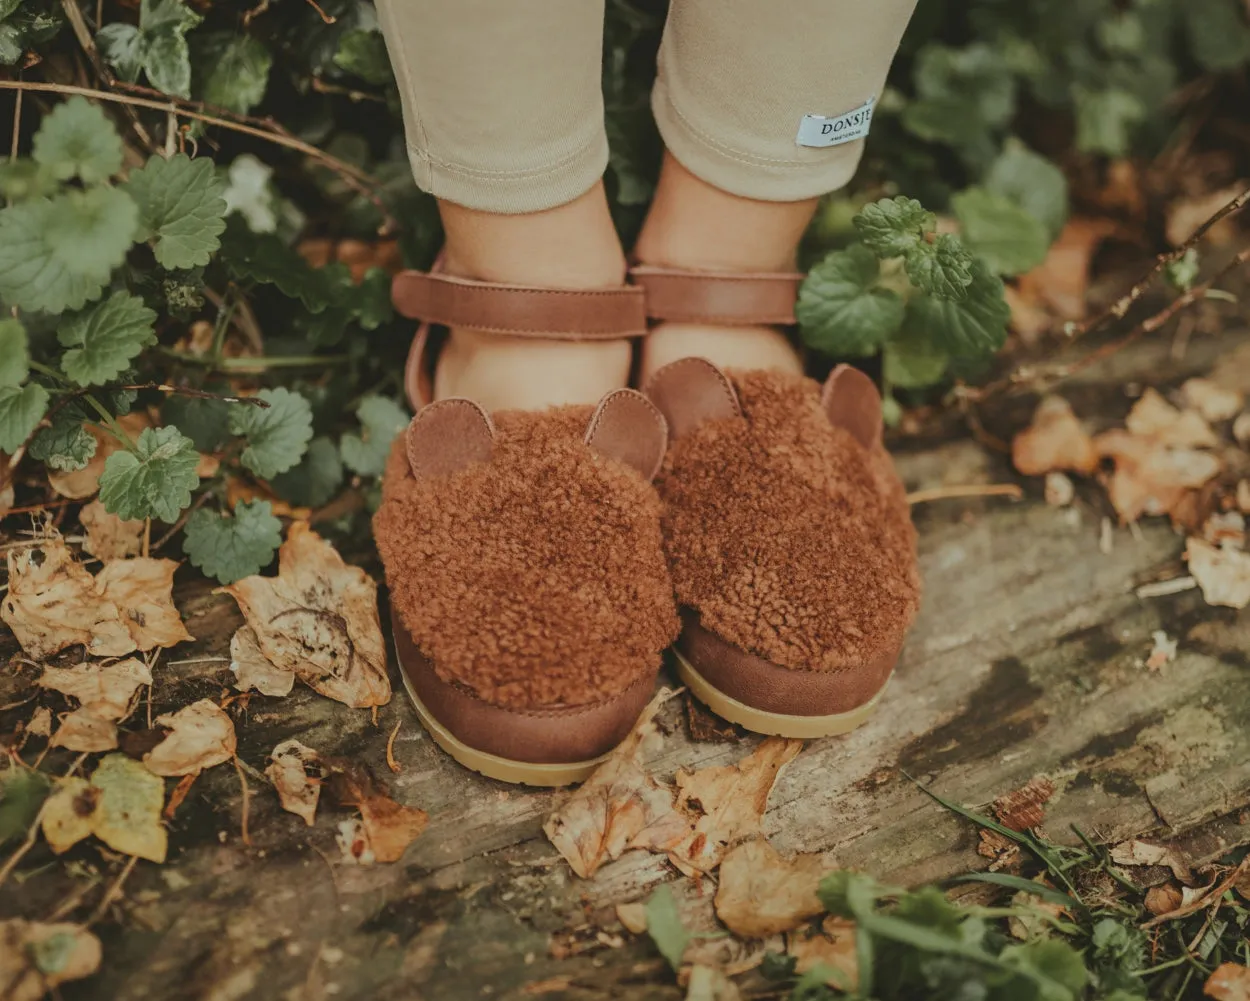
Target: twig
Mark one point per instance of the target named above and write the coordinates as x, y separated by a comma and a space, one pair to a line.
32, 835
176, 527
391, 763
1213, 894
1118, 309
247, 797
113, 892
1011, 490
355, 178
199, 394
255, 364
17, 128
327, 18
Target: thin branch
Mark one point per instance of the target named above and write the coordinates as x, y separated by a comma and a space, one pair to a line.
247, 799
17, 128
1011, 490
199, 394
1118, 309
113, 892
352, 176
255, 364
182, 520
326, 18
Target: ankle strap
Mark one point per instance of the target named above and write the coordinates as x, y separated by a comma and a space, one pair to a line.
718, 297
519, 310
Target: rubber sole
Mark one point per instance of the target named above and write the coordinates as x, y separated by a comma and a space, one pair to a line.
773, 724
492, 765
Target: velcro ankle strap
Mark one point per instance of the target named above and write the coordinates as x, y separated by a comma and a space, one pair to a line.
520, 310
715, 297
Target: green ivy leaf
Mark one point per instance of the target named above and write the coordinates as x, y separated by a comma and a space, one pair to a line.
121, 45
1218, 34
205, 422
22, 792
840, 311
1031, 182
1003, 235
665, 927
67, 445
942, 268
913, 361
57, 254
316, 479
1052, 959
891, 227
21, 410
267, 259
181, 205
104, 339
363, 54
22, 179
973, 326
153, 481
236, 70
14, 353
1106, 119
166, 55
77, 140
232, 548
277, 435
381, 420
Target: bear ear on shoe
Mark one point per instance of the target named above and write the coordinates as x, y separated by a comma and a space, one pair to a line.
851, 401
691, 391
447, 436
628, 427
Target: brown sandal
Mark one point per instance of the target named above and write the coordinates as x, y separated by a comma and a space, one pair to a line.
530, 598
786, 527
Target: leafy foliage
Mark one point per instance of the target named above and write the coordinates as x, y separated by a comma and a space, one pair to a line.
235, 547
152, 480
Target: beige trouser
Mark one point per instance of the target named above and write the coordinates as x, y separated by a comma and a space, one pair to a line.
503, 110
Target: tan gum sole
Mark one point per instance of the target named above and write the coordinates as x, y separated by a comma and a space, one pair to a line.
492, 765
773, 724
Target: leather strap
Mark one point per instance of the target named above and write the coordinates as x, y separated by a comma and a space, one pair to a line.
715, 297
519, 310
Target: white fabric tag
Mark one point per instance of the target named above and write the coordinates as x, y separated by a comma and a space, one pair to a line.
819, 131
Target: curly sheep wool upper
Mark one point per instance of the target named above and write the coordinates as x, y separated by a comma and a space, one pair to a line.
536, 579
789, 539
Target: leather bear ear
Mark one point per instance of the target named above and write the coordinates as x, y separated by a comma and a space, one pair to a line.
851, 401
691, 391
628, 427
447, 436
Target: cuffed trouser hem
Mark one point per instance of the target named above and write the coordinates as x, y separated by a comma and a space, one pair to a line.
511, 192
809, 174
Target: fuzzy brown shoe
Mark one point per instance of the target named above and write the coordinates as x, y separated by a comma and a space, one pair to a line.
790, 545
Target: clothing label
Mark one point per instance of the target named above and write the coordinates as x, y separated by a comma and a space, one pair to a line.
819, 131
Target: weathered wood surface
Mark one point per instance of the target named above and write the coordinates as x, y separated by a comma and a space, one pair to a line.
1027, 660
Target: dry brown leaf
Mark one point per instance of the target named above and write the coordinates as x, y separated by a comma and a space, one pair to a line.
121, 806
142, 590
1241, 429
729, 802
238, 490
1059, 490
1055, 440
1186, 214
707, 983
1149, 477
1024, 808
1211, 400
760, 893
388, 828
833, 945
319, 619
633, 916
85, 732
108, 537
103, 690
76, 953
53, 603
1060, 284
67, 813
1222, 573
1229, 982
252, 669
207, 466
1163, 899
1139, 852
201, 736
620, 806
297, 790
1243, 496
40, 724
1153, 417
1225, 528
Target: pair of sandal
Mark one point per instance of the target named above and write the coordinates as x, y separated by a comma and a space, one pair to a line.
539, 563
